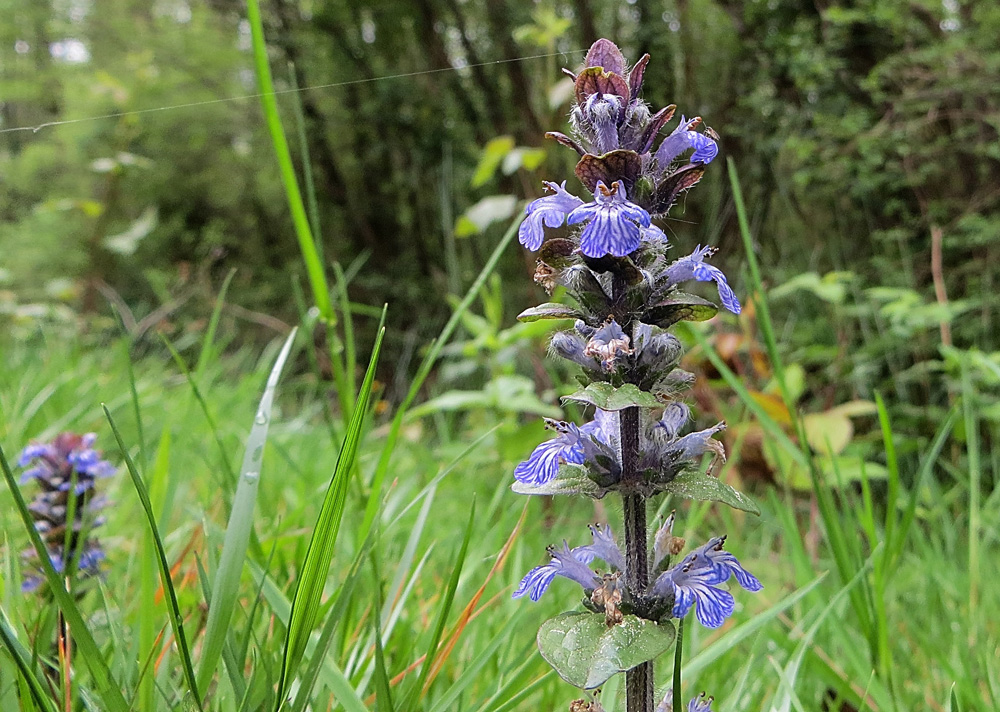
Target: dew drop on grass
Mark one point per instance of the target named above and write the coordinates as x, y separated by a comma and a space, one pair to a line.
261, 419
258, 451
251, 476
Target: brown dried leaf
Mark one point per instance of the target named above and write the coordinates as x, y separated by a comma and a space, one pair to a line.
616, 165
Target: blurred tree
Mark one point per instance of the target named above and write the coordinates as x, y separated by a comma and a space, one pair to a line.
865, 132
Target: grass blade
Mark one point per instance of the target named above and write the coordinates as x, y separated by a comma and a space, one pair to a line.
225, 587
307, 245
449, 597
383, 694
107, 687
213, 325
22, 658
176, 621
319, 555
425, 368
720, 647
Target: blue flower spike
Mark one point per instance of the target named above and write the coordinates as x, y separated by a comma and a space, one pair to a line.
56, 466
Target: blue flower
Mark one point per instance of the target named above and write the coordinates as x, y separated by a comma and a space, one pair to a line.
614, 223
544, 461
573, 564
725, 564
605, 547
565, 562
603, 112
683, 138
675, 415
693, 445
653, 234
549, 210
701, 703
693, 267
695, 578
594, 441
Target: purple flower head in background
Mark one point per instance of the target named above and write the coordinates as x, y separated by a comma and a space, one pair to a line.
613, 223
55, 466
573, 564
549, 210
694, 267
55, 462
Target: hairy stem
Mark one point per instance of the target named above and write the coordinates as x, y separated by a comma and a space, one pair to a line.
638, 680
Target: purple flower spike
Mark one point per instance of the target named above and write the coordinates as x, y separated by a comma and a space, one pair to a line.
547, 211
571, 564
694, 267
543, 463
614, 223
69, 462
683, 138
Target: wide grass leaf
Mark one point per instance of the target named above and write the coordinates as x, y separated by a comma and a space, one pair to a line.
225, 587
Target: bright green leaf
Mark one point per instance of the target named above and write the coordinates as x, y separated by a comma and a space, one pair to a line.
549, 310
586, 652
695, 484
607, 397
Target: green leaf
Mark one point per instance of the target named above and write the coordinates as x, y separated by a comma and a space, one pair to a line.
269, 102
549, 310
174, 609
570, 479
484, 213
607, 397
493, 154
225, 586
694, 484
319, 554
522, 157
585, 652
23, 660
679, 306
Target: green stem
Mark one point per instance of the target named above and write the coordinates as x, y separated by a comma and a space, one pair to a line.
310, 255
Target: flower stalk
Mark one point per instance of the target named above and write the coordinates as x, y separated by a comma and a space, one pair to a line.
613, 261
